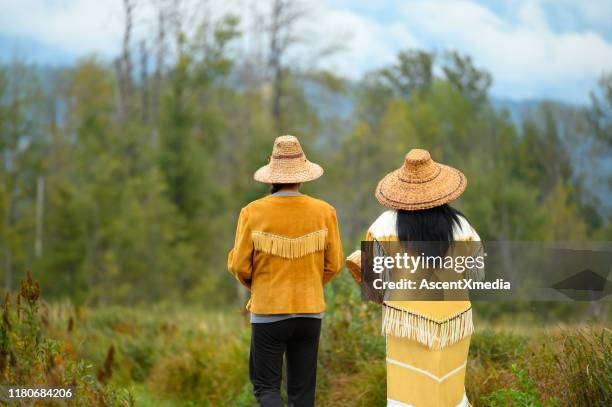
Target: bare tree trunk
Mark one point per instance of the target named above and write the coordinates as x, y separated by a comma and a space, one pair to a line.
53, 130
157, 75
275, 62
123, 65
284, 16
144, 85
8, 254
8, 268
276, 99
505, 246
126, 56
40, 211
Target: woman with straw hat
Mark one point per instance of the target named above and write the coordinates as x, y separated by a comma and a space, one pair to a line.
427, 341
287, 247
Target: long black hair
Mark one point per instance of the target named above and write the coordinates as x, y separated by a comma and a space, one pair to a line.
418, 228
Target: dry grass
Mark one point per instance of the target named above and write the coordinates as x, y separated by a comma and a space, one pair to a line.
187, 357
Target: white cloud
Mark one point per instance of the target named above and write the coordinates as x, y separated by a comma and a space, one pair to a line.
367, 44
527, 59
75, 27
525, 55
81, 27
361, 43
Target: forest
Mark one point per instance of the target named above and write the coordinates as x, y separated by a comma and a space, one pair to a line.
121, 182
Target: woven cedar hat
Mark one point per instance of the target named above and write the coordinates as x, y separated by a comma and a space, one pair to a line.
288, 164
421, 183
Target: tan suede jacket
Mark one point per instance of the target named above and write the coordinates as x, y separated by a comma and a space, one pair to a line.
286, 249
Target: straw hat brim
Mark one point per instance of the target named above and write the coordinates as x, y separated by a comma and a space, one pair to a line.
310, 172
395, 193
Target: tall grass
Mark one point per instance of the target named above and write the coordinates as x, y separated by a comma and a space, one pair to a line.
188, 357
571, 365
586, 363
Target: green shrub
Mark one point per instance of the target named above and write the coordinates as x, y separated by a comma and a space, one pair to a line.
30, 359
208, 371
488, 346
523, 394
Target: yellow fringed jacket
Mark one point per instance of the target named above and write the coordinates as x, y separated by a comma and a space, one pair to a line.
286, 249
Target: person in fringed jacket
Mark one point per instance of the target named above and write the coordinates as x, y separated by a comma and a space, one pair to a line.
287, 248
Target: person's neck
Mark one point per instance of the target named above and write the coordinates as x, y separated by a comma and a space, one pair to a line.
293, 189
288, 191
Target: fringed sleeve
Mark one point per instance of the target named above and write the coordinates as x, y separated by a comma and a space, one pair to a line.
353, 264
477, 273
466, 233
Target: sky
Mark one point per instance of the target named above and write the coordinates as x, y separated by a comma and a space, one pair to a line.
535, 49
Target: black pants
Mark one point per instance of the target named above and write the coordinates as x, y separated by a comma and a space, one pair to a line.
298, 338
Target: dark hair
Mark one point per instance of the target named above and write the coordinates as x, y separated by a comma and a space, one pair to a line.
274, 188
428, 225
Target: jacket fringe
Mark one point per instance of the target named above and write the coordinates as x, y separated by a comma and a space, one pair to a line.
425, 330
289, 248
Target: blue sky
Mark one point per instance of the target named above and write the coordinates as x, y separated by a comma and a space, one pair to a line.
534, 48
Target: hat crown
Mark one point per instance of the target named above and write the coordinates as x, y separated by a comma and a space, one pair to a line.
287, 147
418, 166
288, 164
417, 155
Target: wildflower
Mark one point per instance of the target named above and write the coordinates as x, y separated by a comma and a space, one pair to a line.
6, 321
106, 371
30, 290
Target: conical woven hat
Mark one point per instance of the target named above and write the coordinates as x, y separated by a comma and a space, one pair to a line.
288, 164
421, 183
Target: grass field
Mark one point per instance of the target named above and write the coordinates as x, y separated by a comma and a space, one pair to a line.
195, 358
176, 356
